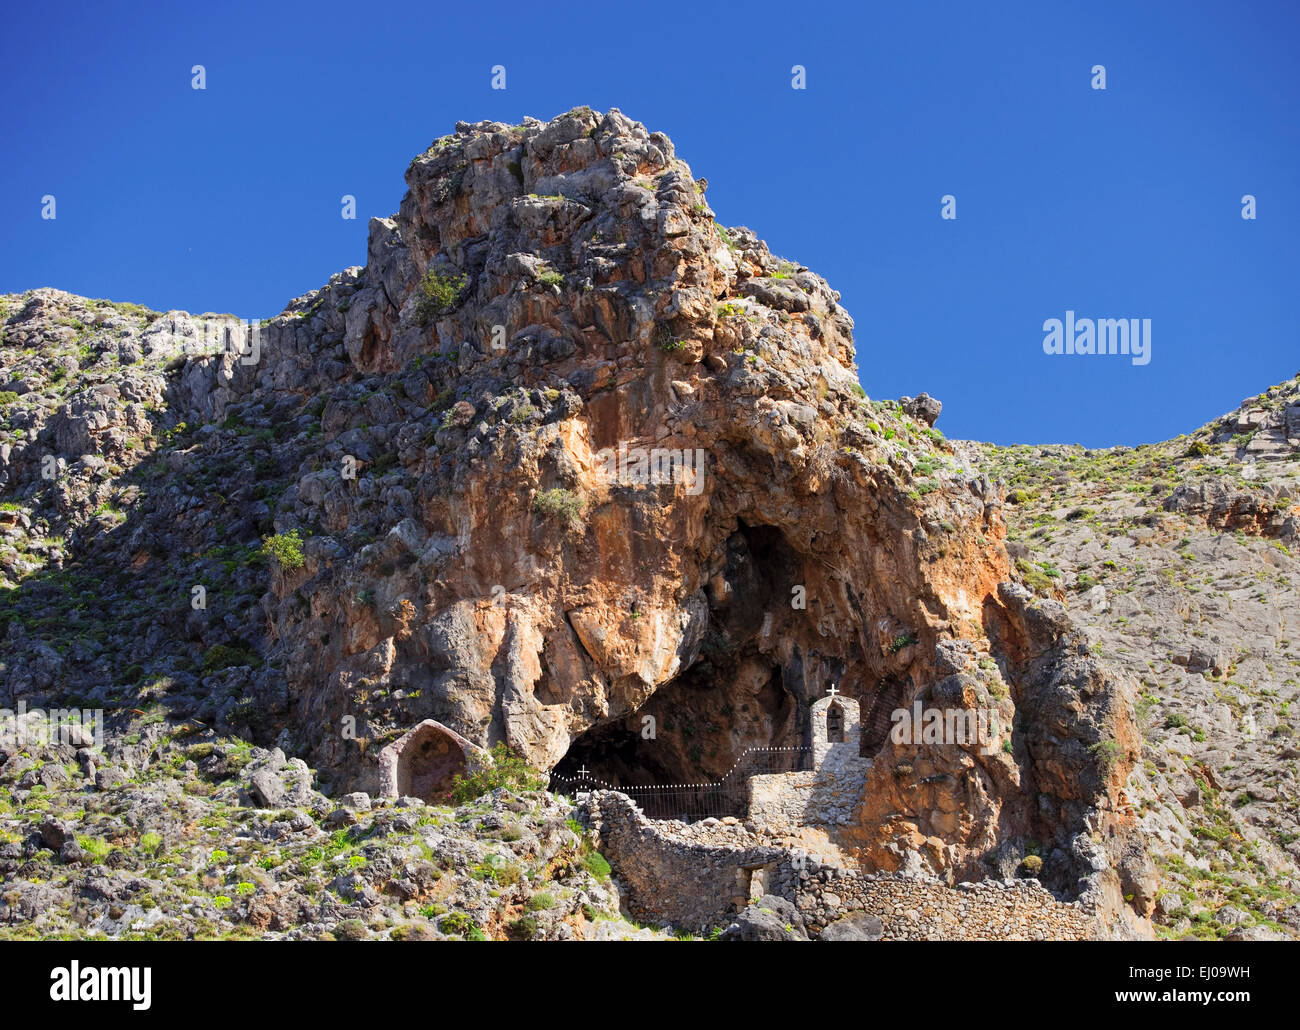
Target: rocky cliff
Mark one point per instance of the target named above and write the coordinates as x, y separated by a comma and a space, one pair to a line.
1178, 560
566, 466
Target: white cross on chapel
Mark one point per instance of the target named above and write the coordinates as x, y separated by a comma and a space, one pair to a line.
833, 690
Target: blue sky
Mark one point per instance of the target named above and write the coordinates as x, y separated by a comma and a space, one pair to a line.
1115, 204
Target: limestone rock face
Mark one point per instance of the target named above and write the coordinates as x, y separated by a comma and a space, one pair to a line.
1177, 563
569, 466
605, 316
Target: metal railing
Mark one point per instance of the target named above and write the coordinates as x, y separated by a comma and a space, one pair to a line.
688, 802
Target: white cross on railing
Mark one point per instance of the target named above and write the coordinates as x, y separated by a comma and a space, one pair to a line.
583, 771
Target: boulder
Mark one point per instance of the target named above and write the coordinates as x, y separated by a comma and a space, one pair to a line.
856, 926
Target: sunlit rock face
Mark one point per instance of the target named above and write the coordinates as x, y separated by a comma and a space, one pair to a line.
576, 469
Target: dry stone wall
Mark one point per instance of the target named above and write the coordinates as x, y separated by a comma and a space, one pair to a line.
698, 878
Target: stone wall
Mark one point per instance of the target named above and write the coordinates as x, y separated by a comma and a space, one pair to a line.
699, 877
929, 910
781, 801
691, 885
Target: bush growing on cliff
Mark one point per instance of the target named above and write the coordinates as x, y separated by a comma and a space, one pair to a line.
559, 503
458, 924
286, 548
438, 292
1034, 576
899, 642
507, 770
1107, 753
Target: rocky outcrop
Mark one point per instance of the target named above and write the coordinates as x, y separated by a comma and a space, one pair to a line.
1176, 562
566, 466
195, 837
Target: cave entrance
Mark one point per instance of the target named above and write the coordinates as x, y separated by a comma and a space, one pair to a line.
689, 751
733, 712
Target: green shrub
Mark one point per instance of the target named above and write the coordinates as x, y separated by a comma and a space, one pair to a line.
900, 642
458, 924
223, 656
550, 277
286, 548
596, 864
668, 341
1107, 753
507, 770
7, 397
559, 503
437, 292
524, 926
540, 902
94, 847
1034, 577
351, 930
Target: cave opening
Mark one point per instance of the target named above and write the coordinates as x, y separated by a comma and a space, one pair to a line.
723, 717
